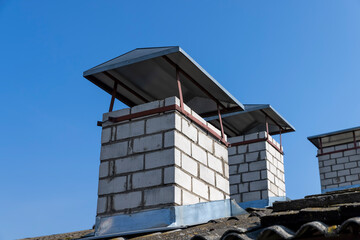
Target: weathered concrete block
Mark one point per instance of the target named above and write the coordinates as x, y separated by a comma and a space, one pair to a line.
160, 158
105, 135
258, 185
343, 172
338, 167
130, 129
101, 205
342, 160
243, 167
325, 169
107, 186
236, 159
352, 177
251, 176
256, 146
233, 169
163, 122
232, 151
118, 113
330, 175
259, 165
336, 155
104, 169
114, 150
251, 157
329, 162
234, 189
147, 178
172, 101
147, 143
242, 149
236, 139
129, 164
251, 136
251, 196
161, 195
127, 200
145, 107
233, 179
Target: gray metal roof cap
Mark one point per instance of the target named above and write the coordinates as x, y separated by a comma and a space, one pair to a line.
335, 138
149, 74
251, 120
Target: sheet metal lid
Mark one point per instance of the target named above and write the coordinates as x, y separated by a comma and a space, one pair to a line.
252, 120
149, 74
336, 137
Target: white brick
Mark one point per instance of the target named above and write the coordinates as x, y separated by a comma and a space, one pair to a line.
101, 205
163, 122
250, 157
325, 169
338, 167
329, 162
233, 179
215, 163
104, 169
172, 101
221, 151
336, 155
148, 143
263, 135
222, 183
189, 165
343, 172
130, 129
234, 189
207, 175
182, 179
216, 130
236, 159
147, 178
330, 175
215, 194
205, 142
189, 130
341, 147
200, 188
342, 160
251, 196
244, 167
251, 136
251, 176
118, 113
160, 195
129, 164
226, 170
236, 139
324, 157
258, 185
328, 149
352, 178
114, 150
145, 107
198, 153
127, 200
160, 158
256, 146
232, 151
105, 135
107, 186
197, 116
242, 149
259, 165
189, 198
183, 143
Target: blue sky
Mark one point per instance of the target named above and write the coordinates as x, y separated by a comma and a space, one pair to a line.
302, 57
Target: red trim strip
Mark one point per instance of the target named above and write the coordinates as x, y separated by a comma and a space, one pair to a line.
170, 108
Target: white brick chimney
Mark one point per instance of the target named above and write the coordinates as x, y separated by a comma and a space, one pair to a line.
153, 157
339, 159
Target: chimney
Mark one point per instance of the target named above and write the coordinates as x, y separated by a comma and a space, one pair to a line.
162, 165
339, 159
256, 160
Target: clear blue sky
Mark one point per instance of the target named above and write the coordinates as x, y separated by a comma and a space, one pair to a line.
302, 57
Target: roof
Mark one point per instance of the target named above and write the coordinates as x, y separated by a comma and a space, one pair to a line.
252, 119
148, 74
334, 215
335, 138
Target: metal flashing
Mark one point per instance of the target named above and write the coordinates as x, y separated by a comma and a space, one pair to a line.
147, 74
262, 203
339, 188
165, 218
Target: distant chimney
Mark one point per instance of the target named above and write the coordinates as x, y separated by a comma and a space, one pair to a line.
339, 159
